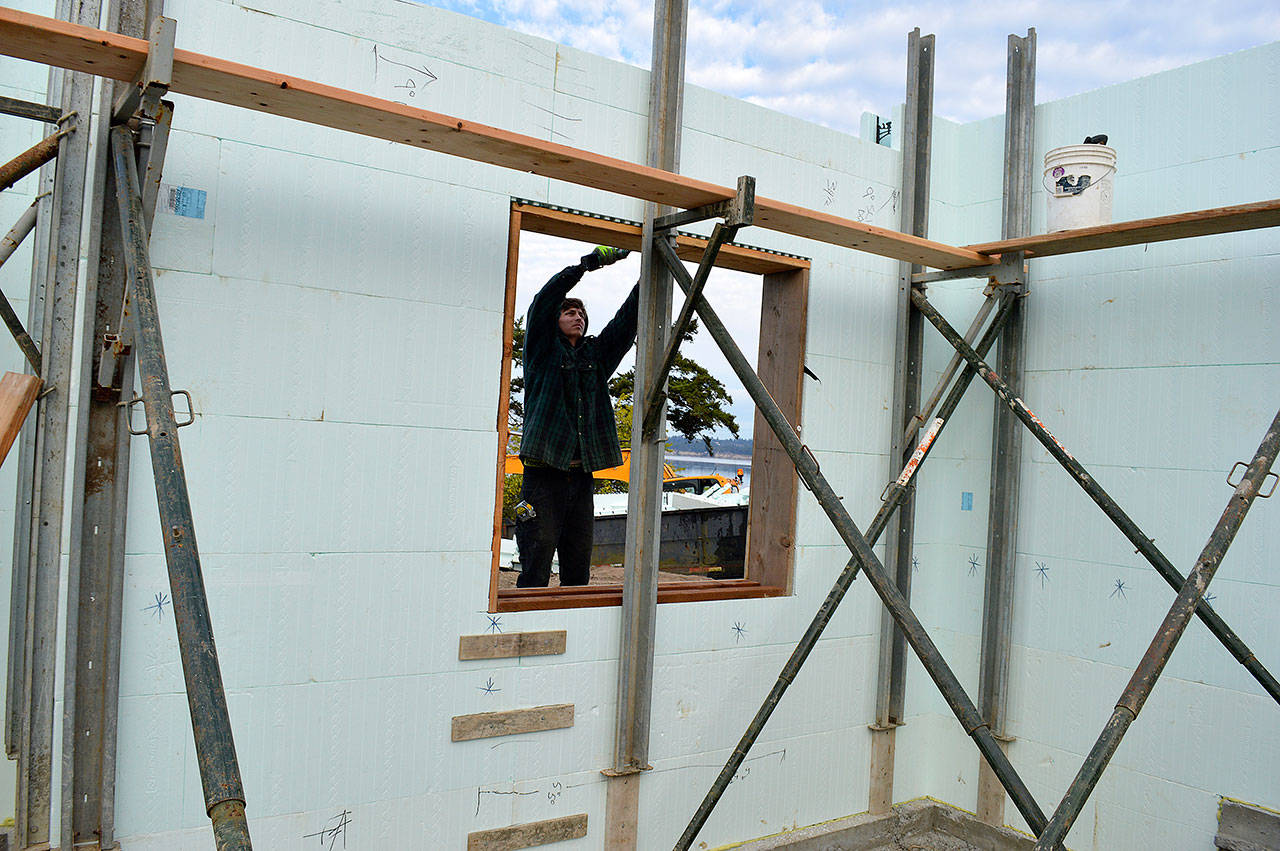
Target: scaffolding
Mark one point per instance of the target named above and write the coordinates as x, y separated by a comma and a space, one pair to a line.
122, 325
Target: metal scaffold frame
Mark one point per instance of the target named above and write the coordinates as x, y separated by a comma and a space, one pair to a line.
122, 333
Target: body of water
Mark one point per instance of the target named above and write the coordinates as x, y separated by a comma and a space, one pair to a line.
701, 465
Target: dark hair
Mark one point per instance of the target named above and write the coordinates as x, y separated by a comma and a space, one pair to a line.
575, 302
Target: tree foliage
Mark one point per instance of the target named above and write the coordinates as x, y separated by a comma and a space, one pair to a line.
696, 400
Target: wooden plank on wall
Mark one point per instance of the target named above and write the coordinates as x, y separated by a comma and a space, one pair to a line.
17, 394
41, 39
1264, 214
529, 835
506, 645
774, 482
485, 725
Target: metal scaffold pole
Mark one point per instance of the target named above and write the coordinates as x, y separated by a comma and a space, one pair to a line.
891, 679
1146, 546
37, 563
1006, 437
210, 722
1166, 639
640, 587
863, 558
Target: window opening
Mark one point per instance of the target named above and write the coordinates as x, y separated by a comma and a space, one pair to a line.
708, 541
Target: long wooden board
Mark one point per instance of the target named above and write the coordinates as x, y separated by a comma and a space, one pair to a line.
1263, 214
66, 45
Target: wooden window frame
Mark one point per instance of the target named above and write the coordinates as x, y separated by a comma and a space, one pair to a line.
774, 483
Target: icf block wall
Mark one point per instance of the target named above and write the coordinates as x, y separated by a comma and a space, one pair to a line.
335, 310
336, 314
1156, 366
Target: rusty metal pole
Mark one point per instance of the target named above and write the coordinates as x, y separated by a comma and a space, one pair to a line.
1144, 545
215, 747
810, 474
31, 159
1166, 639
8, 245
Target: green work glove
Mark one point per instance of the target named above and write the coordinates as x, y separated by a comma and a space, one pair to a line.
603, 255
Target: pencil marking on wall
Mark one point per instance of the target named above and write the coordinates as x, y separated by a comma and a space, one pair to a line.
739, 631
162, 600
1209, 596
489, 687
973, 564
334, 829
915, 564
873, 206
829, 189
551, 112
482, 792
1119, 589
495, 623
414, 81
1042, 570
556, 791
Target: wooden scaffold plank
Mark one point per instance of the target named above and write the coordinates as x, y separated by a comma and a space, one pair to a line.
40, 39
1263, 214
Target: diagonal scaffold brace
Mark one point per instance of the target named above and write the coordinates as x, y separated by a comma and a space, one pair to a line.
1145, 545
1189, 599
865, 560
738, 212
210, 722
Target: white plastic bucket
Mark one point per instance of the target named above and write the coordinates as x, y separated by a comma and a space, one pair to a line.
1077, 180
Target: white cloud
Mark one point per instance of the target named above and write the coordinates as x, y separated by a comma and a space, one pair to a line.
827, 61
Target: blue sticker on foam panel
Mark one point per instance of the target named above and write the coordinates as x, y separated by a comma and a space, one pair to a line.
188, 202
966, 501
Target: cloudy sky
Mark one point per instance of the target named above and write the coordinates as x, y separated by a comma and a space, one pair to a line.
828, 62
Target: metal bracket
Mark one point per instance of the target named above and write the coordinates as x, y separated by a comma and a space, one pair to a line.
885, 728
191, 414
624, 772
740, 210
1275, 479
153, 141
817, 468
113, 351
153, 83
1009, 270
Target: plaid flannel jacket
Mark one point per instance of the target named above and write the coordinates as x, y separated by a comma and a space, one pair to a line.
567, 409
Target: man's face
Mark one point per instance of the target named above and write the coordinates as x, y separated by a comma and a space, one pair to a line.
572, 323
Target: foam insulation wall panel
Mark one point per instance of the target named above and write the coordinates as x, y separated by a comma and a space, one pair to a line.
1152, 364
336, 313
334, 308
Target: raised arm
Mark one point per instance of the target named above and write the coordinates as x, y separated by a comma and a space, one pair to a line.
540, 329
617, 337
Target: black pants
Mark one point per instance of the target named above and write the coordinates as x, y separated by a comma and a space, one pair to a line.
565, 521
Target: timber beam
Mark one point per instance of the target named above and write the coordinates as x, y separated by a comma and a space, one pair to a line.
1262, 214
79, 48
